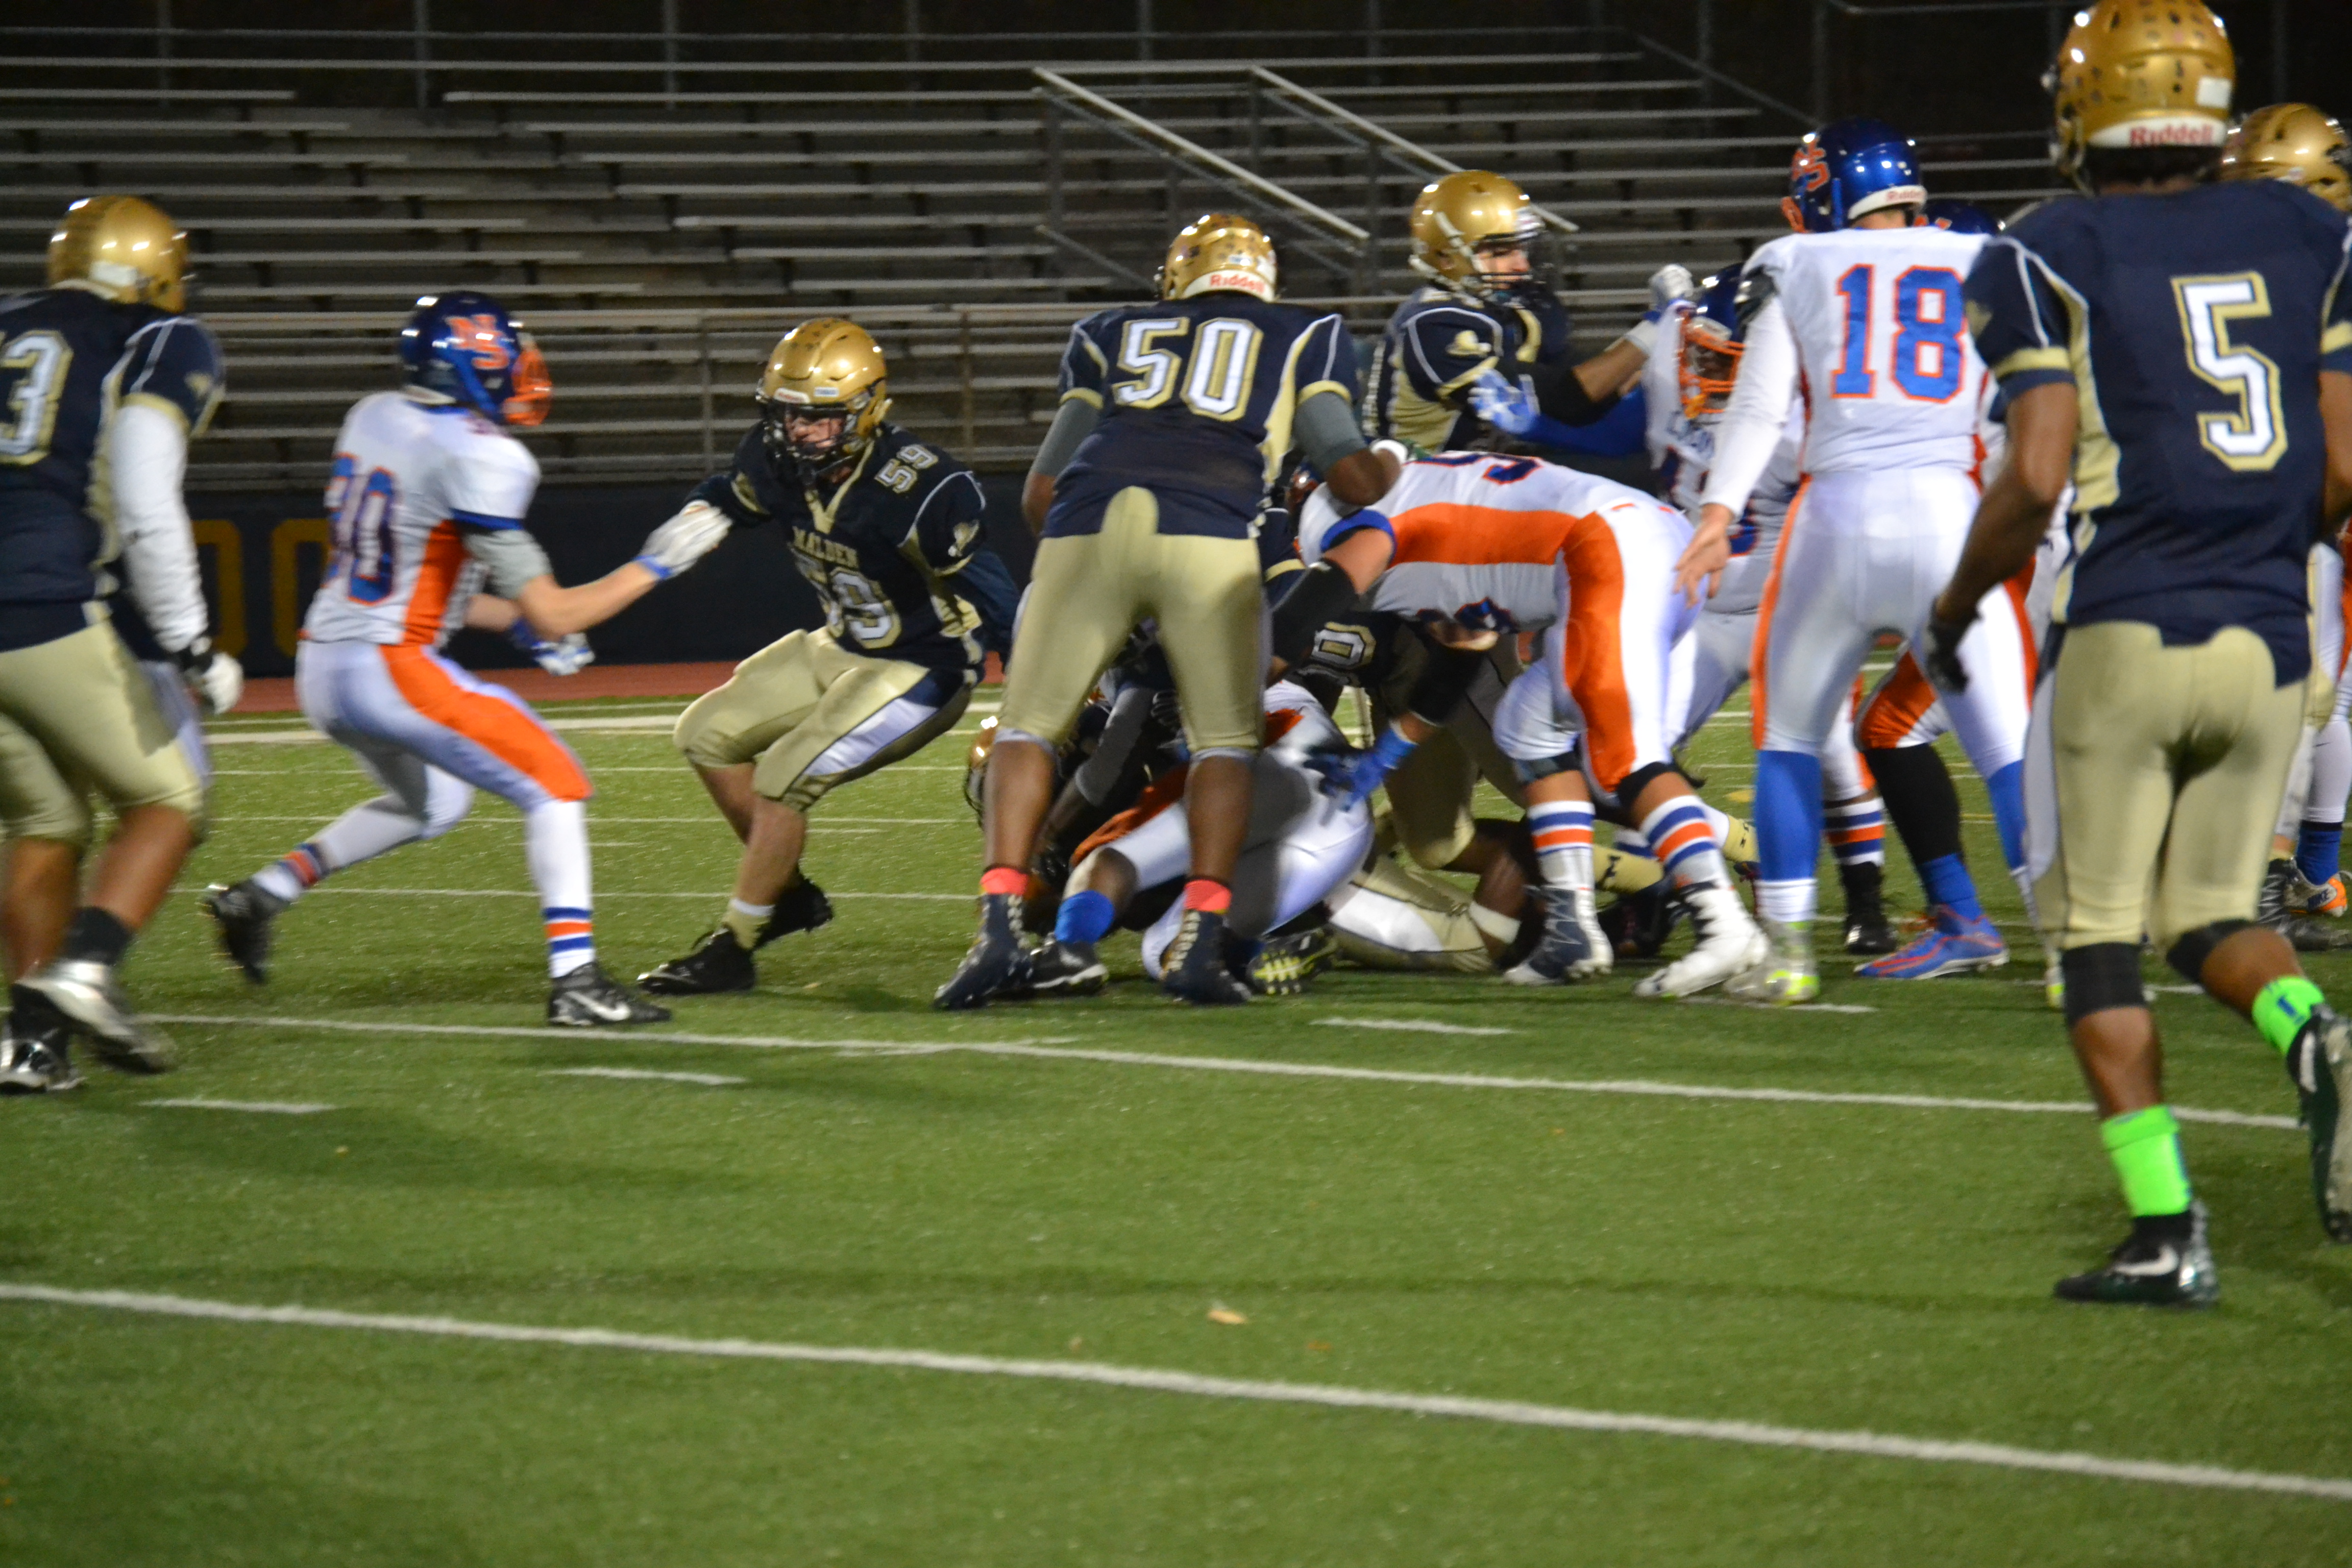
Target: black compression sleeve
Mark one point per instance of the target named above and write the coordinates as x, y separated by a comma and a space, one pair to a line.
1560, 396
1443, 683
1920, 801
1319, 596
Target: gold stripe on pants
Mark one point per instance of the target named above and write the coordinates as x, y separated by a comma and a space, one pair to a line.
2153, 777
1087, 593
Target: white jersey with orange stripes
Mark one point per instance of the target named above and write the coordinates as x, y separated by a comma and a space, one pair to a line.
1480, 538
409, 477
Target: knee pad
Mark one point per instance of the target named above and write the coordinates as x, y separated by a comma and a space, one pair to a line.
1629, 789
1544, 767
2103, 975
2188, 954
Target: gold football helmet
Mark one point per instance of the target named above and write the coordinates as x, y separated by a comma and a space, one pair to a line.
823, 396
126, 249
1457, 218
2295, 142
975, 768
1219, 252
2140, 74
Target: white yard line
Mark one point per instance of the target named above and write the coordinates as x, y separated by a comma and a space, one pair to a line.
709, 818
711, 1080
1160, 1380
648, 723
259, 1107
607, 893
1411, 1027
1058, 1048
1776, 1008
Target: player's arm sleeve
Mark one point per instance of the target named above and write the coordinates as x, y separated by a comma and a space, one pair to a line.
1326, 429
147, 454
1561, 396
510, 557
174, 368
1445, 350
1074, 421
1751, 426
2335, 315
1086, 369
986, 584
730, 490
2020, 326
1620, 433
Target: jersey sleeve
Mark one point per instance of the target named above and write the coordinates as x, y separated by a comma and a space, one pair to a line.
2014, 313
1326, 360
176, 366
1446, 348
1085, 368
948, 526
730, 490
488, 481
2335, 314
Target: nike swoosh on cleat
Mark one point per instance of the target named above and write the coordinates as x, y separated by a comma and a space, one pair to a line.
2165, 1262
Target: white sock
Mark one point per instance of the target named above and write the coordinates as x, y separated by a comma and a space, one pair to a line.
555, 837
1563, 836
1685, 835
369, 829
1790, 902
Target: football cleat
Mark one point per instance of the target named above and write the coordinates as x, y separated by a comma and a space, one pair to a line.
91, 996
1287, 965
241, 915
1786, 976
1638, 924
1728, 945
717, 964
2320, 1062
2165, 1261
587, 998
1194, 968
997, 965
1953, 943
801, 906
2321, 900
1066, 969
1867, 928
1573, 947
2053, 984
2294, 908
36, 1048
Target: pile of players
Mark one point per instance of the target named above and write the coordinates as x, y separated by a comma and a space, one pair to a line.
1895, 421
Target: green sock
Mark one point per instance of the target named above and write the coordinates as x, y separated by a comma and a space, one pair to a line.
2283, 1006
2146, 1147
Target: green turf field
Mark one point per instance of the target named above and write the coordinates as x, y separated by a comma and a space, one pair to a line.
1077, 1207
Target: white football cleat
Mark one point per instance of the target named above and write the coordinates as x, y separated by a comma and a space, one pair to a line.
1787, 975
1729, 944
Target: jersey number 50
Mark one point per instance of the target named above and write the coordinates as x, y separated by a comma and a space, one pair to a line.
1929, 341
1224, 363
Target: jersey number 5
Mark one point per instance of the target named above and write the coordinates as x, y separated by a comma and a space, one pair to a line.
1929, 341
2253, 439
32, 407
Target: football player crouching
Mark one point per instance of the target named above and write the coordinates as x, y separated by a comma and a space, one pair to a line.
888, 530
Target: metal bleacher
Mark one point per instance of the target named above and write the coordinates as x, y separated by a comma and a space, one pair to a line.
659, 228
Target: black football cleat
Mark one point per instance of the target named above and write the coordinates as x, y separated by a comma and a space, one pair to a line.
717, 964
91, 997
241, 915
2320, 1062
2165, 1261
588, 999
1287, 965
1066, 969
1867, 928
36, 1048
801, 906
1195, 968
996, 964
1638, 924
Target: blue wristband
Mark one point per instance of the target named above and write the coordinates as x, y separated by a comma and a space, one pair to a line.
661, 573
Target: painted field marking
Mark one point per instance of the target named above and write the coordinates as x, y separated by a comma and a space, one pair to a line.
712, 1079
648, 723
1160, 1380
603, 893
1410, 1026
706, 819
259, 1107
1060, 1049
1776, 1008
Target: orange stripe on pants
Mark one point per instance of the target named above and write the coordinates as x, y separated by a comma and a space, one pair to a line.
514, 737
1759, 662
1592, 651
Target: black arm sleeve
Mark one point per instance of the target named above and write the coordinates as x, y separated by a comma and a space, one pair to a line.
1560, 396
1443, 683
1317, 596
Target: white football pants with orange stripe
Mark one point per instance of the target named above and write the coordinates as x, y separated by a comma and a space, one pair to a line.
1712, 663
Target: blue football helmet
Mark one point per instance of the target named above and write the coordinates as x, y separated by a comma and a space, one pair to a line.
1960, 217
1712, 345
1849, 170
463, 347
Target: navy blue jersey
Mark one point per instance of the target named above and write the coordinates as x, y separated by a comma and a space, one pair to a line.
880, 550
2193, 327
1197, 397
67, 361
1437, 345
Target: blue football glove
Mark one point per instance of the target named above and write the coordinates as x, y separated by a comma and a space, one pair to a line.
1350, 777
568, 655
1506, 406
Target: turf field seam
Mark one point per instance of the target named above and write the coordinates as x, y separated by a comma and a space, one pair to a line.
1158, 1380
1061, 1048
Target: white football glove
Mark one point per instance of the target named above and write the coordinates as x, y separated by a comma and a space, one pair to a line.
1670, 284
684, 540
567, 655
1504, 404
216, 680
